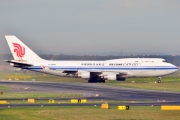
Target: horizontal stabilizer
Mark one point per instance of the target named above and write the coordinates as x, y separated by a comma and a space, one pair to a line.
18, 63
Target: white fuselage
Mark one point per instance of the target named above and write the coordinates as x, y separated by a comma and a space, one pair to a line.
94, 71
127, 67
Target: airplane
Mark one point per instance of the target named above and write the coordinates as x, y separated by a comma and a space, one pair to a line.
93, 71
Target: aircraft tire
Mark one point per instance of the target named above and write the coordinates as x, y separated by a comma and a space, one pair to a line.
96, 79
159, 81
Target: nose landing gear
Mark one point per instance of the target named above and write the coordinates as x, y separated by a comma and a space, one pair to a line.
159, 80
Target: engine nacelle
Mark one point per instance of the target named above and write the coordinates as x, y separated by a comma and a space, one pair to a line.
114, 77
111, 77
84, 75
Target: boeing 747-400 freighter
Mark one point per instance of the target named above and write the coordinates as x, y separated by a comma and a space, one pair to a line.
93, 71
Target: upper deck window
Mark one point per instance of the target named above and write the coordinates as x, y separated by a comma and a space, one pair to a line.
149, 61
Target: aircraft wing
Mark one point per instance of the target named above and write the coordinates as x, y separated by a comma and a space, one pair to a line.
100, 72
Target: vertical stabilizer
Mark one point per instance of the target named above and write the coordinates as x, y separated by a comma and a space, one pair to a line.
19, 50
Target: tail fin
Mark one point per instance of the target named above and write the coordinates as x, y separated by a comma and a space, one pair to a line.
19, 50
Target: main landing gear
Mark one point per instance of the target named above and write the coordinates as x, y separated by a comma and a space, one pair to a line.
96, 79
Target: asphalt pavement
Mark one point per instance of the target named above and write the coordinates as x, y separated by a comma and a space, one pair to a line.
90, 91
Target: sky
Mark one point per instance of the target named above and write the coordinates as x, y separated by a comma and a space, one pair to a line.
111, 27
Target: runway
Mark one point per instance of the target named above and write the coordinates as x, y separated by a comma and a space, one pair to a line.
89, 91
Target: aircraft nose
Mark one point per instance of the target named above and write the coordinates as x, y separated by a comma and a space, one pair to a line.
175, 68
172, 69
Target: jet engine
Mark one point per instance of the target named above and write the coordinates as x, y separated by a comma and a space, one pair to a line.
111, 77
84, 75
114, 77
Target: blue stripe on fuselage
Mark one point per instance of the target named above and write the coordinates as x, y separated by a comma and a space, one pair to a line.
103, 68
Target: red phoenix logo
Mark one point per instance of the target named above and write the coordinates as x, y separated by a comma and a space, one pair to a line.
20, 51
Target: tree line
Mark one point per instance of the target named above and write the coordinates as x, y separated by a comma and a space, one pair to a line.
169, 58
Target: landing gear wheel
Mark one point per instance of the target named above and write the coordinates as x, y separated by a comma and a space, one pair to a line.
96, 79
100, 80
159, 80
93, 79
